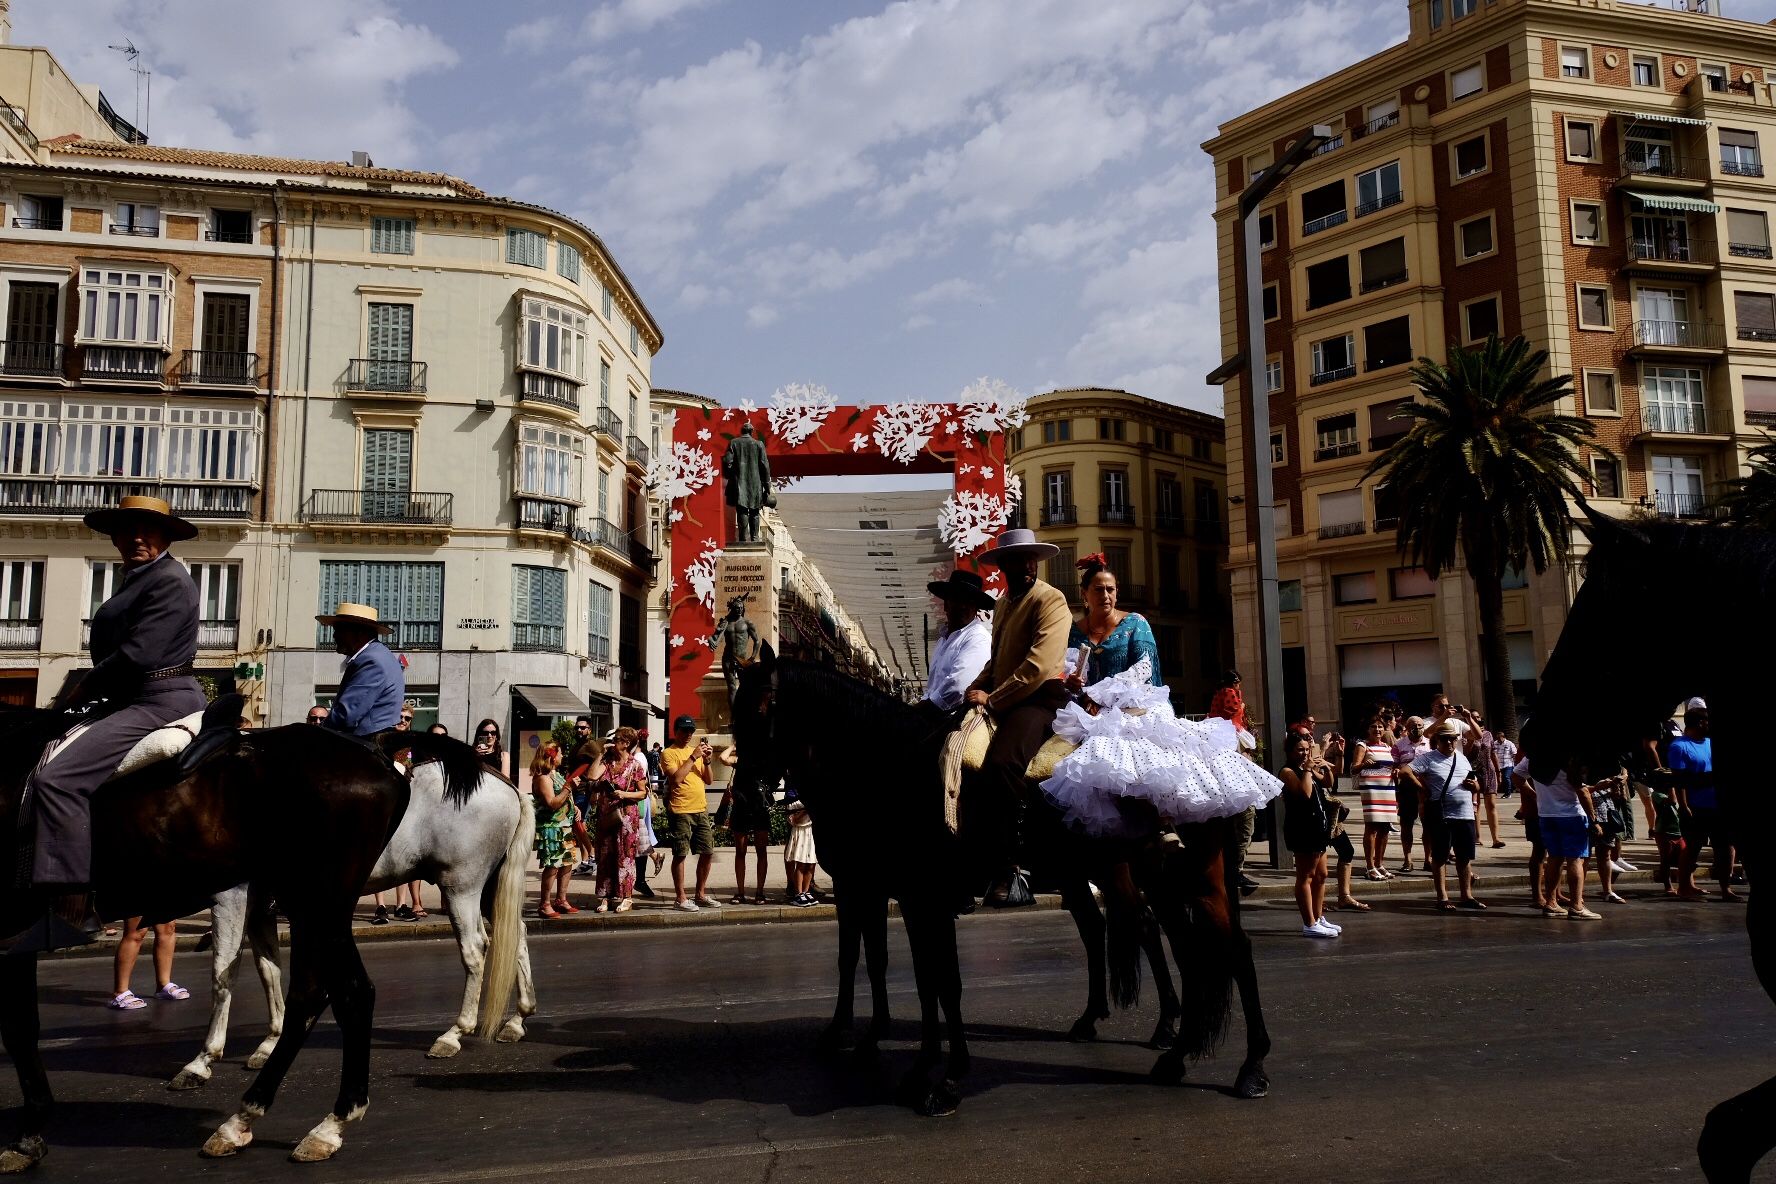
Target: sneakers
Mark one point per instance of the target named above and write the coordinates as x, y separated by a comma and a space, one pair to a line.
1618, 866
804, 901
1622, 865
1318, 929
1336, 929
687, 906
1583, 915
708, 902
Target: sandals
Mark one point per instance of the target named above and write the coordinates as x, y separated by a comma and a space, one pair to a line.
734, 900
1445, 906
758, 900
561, 906
624, 905
419, 914
1352, 903
172, 993
548, 914
128, 1001
1375, 875
603, 906
1472, 905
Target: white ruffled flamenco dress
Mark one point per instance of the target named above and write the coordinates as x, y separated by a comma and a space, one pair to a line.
1136, 747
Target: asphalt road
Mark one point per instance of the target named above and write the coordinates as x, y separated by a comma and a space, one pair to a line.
1418, 1047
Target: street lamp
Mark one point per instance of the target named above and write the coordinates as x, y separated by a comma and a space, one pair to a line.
1256, 406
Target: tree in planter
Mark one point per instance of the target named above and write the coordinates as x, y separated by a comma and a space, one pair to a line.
1751, 500
1485, 472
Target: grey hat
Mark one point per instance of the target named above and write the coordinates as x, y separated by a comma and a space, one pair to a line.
1015, 543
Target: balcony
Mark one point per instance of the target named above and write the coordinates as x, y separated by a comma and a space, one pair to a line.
1171, 522
136, 231
1683, 505
548, 389
1655, 254
539, 638
20, 635
1322, 377
392, 507
1747, 333
1325, 222
610, 536
408, 635
1380, 203
1748, 250
377, 376
1380, 282
637, 450
609, 423
1059, 515
1673, 419
1677, 336
208, 367
1378, 124
1116, 514
123, 363
1332, 145
550, 517
1663, 165
53, 496
1385, 525
228, 236
1337, 450
1742, 168
31, 359
29, 223
218, 635
1343, 530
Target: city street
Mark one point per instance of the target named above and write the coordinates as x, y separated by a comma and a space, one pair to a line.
1418, 1047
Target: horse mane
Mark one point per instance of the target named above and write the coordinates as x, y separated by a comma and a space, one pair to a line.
861, 708
462, 764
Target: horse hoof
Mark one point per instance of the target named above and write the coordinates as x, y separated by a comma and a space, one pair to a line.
512, 1032
442, 1049
313, 1150
1167, 1071
188, 1079
258, 1059
1252, 1084
1085, 1028
23, 1155
941, 1101
1163, 1038
220, 1146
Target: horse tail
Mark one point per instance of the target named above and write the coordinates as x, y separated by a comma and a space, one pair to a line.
499, 973
1205, 966
1125, 950
462, 766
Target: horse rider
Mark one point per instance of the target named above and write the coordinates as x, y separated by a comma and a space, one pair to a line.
1021, 686
966, 644
144, 641
372, 690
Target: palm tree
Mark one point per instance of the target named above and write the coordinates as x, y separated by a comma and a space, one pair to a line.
1751, 500
1485, 471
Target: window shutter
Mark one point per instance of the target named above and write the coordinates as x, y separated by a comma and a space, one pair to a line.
1732, 137
1342, 508
224, 327
338, 582
1747, 228
1755, 310
391, 332
391, 236
549, 601
1760, 395
521, 612
388, 459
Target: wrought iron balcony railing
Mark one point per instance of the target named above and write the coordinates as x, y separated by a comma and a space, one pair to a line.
637, 450
547, 388
74, 496
31, 359
129, 363
537, 514
16, 634
1059, 515
1324, 222
609, 423
1678, 334
1116, 513
208, 367
539, 638
394, 507
380, 376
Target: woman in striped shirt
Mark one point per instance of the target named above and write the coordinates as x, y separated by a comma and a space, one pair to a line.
1372, 766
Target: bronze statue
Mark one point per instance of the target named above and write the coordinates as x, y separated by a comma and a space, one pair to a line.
746, 482
739, 639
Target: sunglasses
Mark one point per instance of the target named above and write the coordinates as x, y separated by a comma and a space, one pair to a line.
486, 733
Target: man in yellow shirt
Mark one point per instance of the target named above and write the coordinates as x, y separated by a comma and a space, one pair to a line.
685, 767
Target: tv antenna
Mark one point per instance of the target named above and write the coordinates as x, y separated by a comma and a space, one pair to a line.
144, 83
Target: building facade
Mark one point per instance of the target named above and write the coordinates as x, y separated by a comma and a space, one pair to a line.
1145, 483
1587, 175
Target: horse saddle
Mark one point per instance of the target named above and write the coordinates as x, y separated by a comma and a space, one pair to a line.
177, 740
965, 749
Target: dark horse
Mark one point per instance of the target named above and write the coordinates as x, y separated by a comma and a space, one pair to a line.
301, 811
880, 824
1599, 695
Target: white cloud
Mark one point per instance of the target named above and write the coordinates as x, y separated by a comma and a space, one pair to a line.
917, 321
956, 289
761, 315
533, 36
628, 17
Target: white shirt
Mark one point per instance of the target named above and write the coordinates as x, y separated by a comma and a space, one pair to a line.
1443, 777
1554, 799
958, 660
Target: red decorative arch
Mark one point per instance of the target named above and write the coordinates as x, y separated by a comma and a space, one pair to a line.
808, 433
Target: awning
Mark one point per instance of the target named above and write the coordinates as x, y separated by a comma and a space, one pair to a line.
1657, 117
1666, 201
551, 700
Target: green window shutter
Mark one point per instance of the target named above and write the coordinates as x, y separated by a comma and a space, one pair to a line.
550, 601
388, 472
391, 236
521, 595
606, 292
391, 332
567, 262
526, 248
604, 383
339, 581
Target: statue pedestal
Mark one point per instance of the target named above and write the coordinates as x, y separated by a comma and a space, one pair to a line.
746, 570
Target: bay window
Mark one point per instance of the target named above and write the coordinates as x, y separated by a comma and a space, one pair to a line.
549, 461
28, 436
125, 306
212, 444
554, 339
106, 440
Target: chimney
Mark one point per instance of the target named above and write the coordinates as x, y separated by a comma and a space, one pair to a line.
360, 160
5, 22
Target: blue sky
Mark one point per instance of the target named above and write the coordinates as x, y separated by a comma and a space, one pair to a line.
887, 199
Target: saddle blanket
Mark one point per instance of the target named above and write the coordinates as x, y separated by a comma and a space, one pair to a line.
162, 744
966, 749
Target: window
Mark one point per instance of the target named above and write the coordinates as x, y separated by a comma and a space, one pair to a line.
136, 219
1575, 63
526, 248
1513, 578
1480, 319
1739, 153
1168, 499
1271, 311
28, 438
1383, 265
604, 480
1648, 149
1677, 486
1461, 8
604, 383
1382, 114
1760, 399
1379, 188
598, 623
1470, 156
105, 440
1202, 448
1587, 223
389, 346
1645, 71
1057, 492
32, 329
1357, 587
1748, 234
1281, 522
1279, 450
1755, 315
1057, 431
1387, 343
1581, 139
105, 576
21, 592
1322, 208
218, 595
225, 340
212, 444
391, 236
1328, 282
1112, 429
1335, 436
1664, 316
567, 262
1273, 375
1341, 513
1388, 423
1114, 489
549, 461
634, 339
125, 306
38, 212
1469, 80
1410, 583
539, 608
1473, 238
1713, 77
1594, 307
1289, 596
1606, 477
1162, 439
1267, 231
1334, 358
1600, 392
554, 338
1672, 399
409, 596
1436, 14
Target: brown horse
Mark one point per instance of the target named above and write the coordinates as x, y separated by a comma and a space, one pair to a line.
300, 811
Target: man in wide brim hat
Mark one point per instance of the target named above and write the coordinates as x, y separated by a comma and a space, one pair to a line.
964, 586
1018, 544
139, 511
966, 643
372, 688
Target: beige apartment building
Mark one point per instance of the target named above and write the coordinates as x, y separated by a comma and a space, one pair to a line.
1145, 483
1589, 175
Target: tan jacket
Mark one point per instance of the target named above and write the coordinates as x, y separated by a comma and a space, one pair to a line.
1029, 645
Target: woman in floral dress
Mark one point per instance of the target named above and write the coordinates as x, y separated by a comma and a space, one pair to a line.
620, 792
554, 831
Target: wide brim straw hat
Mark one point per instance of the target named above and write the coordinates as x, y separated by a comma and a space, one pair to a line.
1015, 543
965, 586
349, 613
135, 507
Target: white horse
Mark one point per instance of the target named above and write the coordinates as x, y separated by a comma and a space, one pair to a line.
466, 848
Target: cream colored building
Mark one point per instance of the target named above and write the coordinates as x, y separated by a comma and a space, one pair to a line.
1145, 483
1589, 175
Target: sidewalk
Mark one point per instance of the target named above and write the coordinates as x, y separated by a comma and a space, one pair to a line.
1501, 877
